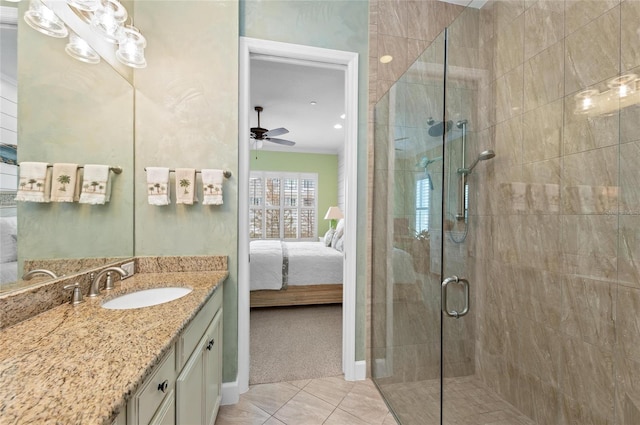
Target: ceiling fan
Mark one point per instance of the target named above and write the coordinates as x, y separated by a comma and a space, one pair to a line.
259, 134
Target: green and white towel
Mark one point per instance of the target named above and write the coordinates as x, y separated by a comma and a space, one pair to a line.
35, 182
212, 187
158, 185
96, 184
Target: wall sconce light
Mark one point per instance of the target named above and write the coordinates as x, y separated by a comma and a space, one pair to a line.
623, 91
131, 48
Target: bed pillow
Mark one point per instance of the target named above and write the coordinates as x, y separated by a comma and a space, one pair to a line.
340, 244
8, 239
328, 237
338, 234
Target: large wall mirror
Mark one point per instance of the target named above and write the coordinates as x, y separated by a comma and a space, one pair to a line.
66, 111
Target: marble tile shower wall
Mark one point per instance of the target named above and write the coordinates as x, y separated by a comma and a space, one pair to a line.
556, 214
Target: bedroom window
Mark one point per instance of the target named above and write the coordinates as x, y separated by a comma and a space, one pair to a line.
282, 205
423, 200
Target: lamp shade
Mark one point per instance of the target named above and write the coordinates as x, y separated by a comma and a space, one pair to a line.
333, 213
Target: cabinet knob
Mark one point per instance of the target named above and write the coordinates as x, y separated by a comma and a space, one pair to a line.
210, 344
163, 387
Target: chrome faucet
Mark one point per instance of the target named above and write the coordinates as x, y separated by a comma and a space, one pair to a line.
94, 291
29, 275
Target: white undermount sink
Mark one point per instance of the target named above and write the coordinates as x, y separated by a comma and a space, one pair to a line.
146, 298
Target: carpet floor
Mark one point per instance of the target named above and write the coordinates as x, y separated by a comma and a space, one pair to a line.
294, 343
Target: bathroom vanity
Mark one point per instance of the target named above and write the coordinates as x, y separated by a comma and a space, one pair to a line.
87, 364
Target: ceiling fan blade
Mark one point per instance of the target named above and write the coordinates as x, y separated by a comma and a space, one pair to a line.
276, 132
280, 141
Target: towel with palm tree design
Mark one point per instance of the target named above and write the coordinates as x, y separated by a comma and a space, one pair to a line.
96, 184
158, 185
64, 178
212, 187
35, 182
186, 186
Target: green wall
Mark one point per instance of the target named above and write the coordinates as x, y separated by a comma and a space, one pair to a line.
339, 25
187, 116
325, 165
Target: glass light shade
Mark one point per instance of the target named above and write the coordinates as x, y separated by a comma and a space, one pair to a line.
85, 5
624, 85
131, 49
107, 20
79, 49
585, 101
42, 19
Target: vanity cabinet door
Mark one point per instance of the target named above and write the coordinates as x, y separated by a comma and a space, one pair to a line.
166, 414
190, 388
155, 390
213, 369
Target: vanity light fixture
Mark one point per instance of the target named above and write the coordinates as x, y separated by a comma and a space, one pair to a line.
386, 58
105, 17
623, 91
42, 19
337, 126
343, 116
313, 103
131, 48
79, 49
108, 20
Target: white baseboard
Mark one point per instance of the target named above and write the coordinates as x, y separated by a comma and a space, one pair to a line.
361, 370
230, 393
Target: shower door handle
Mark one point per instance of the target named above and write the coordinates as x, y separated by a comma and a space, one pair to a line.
445, 286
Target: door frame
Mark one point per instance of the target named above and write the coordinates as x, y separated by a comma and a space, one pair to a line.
322, 57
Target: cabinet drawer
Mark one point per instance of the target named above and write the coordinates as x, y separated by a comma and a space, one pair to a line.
161, 383
193, 333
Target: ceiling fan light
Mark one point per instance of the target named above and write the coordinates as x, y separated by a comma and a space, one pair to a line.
42, 19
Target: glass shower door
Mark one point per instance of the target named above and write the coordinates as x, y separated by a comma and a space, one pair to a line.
407, 238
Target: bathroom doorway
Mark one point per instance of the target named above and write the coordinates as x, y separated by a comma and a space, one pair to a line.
276, 54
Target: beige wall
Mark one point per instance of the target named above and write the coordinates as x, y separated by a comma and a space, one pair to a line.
557, 218
553, 244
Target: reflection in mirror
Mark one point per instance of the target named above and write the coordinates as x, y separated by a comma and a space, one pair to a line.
64, 111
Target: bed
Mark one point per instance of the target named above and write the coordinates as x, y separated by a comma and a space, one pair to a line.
284, 273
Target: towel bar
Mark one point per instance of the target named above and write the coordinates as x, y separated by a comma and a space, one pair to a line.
226, 173
116, 169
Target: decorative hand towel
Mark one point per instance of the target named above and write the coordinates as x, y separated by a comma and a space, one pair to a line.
158, 185
186, 186
63, 187
212, 187
96, 185
35, 182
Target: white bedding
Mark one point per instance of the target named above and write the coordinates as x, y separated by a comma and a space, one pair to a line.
313, 263
303, 263
265, 264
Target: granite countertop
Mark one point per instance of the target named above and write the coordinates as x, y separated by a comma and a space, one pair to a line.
80, 365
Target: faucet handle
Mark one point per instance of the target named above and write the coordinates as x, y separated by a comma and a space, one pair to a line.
109, 284
76, 298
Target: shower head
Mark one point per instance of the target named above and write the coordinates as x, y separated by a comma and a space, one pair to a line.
461, 123
437, 129
484, 155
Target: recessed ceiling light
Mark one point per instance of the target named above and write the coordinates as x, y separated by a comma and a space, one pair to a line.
313, 103
386, 58
337, 126
342, 116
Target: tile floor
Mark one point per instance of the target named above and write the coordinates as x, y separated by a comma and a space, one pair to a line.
467, 401
329, 401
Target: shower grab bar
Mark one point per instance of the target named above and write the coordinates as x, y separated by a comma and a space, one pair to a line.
465, 285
